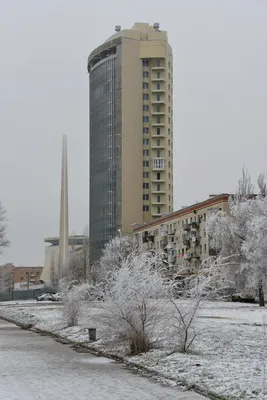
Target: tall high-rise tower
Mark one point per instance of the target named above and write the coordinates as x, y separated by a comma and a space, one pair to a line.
131, 132
64, 208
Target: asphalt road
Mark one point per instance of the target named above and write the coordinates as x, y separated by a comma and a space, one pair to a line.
37, 367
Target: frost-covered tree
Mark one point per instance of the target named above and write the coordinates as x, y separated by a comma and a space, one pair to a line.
211, 282
4, 242
134, 297
113, 254
239, 233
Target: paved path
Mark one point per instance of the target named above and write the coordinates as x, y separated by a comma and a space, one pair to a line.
37, 367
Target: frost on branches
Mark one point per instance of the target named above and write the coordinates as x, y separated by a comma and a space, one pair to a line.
242, 233
134, 295
114, 252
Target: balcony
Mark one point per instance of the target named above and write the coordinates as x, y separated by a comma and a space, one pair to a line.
157, 180
159, 135
158, 203
155, 79
155, 90
158, 124
158, 191
158, 68
195, 225
158, 101
158, 112
186, 227
156, 215
213, 252
161, 146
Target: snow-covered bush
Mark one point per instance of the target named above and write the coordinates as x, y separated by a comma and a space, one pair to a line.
134, 296
72, 301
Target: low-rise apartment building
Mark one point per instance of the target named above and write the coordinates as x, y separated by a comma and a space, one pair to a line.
181, 235
25, 277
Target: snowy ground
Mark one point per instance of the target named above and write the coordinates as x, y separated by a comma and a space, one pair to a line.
228, 359
36, 367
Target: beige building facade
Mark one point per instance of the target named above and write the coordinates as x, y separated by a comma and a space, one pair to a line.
131, 132
181, 235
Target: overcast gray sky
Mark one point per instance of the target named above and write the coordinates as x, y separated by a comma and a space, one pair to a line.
220, 107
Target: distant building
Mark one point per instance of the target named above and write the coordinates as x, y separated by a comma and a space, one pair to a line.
52, 253
181, 235
25, 277
131, 132
6, 277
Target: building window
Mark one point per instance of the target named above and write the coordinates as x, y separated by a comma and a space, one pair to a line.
158, 199
158, 153
158, 75
169, 98
145, 85
158, 142
169, 198
205, 248
145, 74
169, 153
169, 64
145, 63
145, 142
146, 153
145, 130
169, 142
169, 109
158, 187
158, 164
158, 120
145, 185
158, 63
145, 174
145, 164
158, 131
158, 108
169, 120
145, 107
145, 208
145, 118
158, 86
169, 86
145, 96
204, 233
158, 176
158, 210
158, 97
169, 164
169, 131
169, 176
204, 217
169, 76
145, 197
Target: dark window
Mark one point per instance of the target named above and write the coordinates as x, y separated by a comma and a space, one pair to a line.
145, 107
158, 86
145, 174
145, 118
145, 208
158, 97
158, 176
145, 142
145, 63
146, 164
145, 96
158, 131
158, 153
158, 120
145, 85
158, 63
158, 142
145, 130
145, 196
158, 199
158, 210
145, 185
158, 187
145, 74
145, 152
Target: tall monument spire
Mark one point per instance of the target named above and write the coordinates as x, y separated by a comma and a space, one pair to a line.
64, 209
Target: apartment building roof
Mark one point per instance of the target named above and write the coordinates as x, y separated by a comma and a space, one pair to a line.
211, 201
28, 266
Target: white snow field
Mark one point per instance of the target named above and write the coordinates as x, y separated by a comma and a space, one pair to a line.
37, 367
228, 359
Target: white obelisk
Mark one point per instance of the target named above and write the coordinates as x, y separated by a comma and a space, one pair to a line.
64, 209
